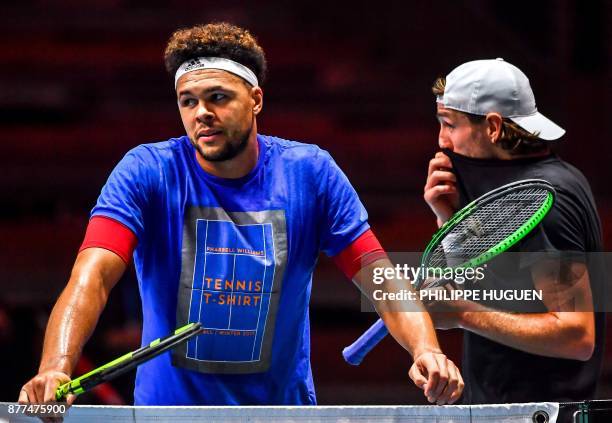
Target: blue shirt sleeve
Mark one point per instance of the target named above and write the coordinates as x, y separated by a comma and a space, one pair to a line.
127, 194
344, 216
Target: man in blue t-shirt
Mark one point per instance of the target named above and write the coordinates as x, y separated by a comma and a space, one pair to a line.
224, 226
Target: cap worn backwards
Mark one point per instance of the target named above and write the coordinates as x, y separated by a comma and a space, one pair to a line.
485, 86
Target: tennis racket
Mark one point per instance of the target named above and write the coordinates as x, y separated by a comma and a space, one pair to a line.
483, 229
127, 362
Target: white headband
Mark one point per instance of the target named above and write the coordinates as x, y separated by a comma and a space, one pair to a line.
216, 63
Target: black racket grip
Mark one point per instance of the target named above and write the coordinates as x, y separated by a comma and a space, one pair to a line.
355, 353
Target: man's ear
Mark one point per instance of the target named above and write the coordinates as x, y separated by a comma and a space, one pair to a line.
257, 96
494, 123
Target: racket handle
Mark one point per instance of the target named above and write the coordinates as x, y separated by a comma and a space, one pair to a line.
354, 353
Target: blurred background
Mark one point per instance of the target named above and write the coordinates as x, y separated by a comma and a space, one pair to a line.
82, 82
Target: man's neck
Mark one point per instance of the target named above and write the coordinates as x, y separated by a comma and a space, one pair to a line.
236, 167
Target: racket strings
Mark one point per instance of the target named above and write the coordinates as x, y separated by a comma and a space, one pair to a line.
489, 225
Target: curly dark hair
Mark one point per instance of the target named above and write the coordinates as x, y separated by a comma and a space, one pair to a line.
513, 138
219, 39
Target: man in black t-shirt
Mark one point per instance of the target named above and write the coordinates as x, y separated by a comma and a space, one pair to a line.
491, 134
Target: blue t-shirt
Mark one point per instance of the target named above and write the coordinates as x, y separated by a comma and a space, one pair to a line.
236, 255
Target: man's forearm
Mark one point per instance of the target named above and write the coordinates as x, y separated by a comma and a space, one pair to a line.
566, 331
562, 335
412, 330
411, 326
76, 312
407, 321
71, 323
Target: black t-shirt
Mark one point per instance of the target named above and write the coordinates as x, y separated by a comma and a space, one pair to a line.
495, 373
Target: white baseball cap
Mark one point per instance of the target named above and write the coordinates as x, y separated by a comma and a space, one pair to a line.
485, 86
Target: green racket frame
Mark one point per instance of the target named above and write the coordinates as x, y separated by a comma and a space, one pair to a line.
126, 362
504, 245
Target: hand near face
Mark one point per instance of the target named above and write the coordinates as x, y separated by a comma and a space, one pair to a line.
440, 191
